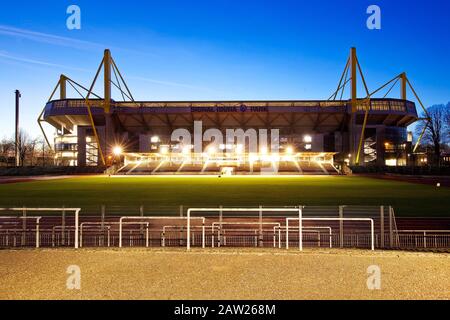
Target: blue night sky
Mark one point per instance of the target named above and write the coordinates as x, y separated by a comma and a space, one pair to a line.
218, 49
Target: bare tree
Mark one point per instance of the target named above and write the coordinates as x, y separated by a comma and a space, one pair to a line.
447, 121
27, 148
44, 154
436, 130
33, 151
23, 141
6, 151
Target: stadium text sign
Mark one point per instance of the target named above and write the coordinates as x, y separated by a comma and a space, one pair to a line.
241, 108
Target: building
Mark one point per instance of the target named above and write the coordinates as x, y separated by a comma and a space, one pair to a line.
185, 136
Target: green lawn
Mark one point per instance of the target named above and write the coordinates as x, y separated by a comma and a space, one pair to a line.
408, 199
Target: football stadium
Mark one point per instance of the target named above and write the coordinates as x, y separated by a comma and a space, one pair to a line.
231, 137
196, 195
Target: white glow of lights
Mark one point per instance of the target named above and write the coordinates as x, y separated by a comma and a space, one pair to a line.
117, 150
186, 150
391, 162
308, 147
155, 139
164, 150
253, 158
307, 139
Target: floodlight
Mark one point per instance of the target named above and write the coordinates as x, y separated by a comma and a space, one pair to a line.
164, 150
117, 150
253, 158
186, 149
212, 150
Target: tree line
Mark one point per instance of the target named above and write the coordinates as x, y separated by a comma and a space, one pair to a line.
436, 138
33, 151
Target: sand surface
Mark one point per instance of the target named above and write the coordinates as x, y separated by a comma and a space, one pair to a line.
223, 274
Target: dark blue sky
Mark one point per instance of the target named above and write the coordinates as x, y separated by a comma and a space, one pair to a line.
217, 49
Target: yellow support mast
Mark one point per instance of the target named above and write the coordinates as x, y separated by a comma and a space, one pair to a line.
63, 87
108, 65
354, 81
403, 84
355, 68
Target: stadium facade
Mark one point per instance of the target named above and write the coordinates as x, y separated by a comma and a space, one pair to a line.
141, 136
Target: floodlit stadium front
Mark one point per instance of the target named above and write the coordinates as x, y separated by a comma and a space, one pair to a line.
230, 137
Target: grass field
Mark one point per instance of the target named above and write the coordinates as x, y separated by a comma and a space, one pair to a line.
408, 199
223, 274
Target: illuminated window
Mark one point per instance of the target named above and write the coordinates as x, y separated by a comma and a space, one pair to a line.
307, 139
391, 162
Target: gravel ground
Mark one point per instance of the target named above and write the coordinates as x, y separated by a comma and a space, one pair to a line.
223, 274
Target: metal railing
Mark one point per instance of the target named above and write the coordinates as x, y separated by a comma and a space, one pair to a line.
100, 227
78, 103
423, 239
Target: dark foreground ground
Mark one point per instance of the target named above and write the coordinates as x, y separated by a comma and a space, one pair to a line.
223, 274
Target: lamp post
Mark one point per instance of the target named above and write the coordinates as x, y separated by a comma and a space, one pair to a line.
17, 149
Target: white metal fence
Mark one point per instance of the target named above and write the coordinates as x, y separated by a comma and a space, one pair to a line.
423, 239
265, 227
